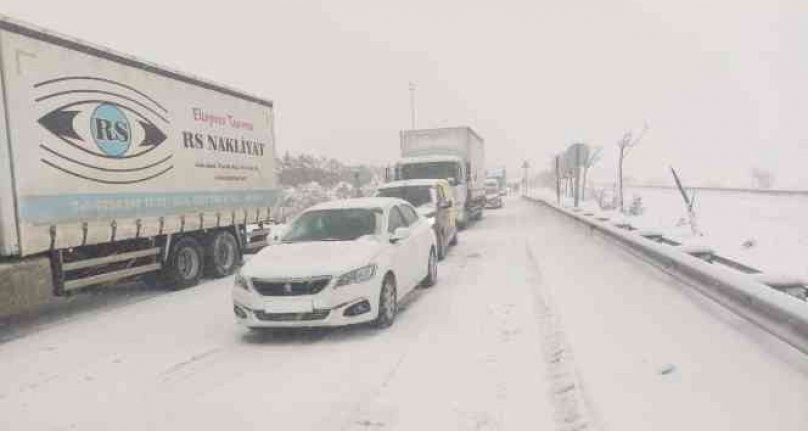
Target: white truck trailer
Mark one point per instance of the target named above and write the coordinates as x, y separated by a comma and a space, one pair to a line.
113, 167
456, 154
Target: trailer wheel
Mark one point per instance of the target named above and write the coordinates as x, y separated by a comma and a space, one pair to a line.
185, 264
222, 254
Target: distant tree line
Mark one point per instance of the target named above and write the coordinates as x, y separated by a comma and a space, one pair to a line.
295, 170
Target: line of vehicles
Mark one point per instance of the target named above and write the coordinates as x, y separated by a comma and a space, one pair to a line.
352, 261
113, 168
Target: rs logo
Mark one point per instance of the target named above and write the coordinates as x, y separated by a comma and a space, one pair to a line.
110, 130
107, 131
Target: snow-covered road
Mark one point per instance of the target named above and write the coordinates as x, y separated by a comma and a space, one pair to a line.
534, 324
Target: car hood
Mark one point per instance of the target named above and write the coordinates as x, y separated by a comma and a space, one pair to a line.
313, 258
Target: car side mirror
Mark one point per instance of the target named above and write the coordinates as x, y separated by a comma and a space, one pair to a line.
399, 234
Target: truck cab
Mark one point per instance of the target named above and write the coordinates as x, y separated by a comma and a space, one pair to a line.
449, 168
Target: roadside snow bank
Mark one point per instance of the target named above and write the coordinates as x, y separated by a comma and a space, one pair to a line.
779, 313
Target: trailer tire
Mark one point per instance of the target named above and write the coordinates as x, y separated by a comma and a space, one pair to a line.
222, 254
185, 264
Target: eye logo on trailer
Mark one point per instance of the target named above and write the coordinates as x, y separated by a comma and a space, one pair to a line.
110, 130
106, 131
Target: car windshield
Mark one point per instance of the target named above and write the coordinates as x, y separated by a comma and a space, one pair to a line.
434, 170
415, 195
332, 225
491, 186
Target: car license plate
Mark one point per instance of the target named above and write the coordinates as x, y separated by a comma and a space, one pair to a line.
289, 306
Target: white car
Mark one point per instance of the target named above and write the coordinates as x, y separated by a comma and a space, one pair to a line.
338, 263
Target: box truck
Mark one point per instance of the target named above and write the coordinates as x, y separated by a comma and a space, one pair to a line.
456, 154
112, 167
500, 176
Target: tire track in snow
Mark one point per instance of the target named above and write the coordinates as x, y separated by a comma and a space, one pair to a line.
572, 411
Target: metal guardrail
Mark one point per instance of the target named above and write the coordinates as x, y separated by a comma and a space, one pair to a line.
776, 309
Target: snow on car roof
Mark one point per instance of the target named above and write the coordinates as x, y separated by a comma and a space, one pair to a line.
357, 203
415, 182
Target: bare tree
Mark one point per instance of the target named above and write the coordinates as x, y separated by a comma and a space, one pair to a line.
594, 156
690, 200
625, 144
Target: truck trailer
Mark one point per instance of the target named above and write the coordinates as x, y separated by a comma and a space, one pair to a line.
456, 154
112, 167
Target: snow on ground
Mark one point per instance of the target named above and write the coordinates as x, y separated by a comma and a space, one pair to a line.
459, 357
767, 232
773, 227
654, 354
534, 324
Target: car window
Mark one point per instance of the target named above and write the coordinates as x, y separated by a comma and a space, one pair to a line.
395, 220
332, 225
410, 216
415, 195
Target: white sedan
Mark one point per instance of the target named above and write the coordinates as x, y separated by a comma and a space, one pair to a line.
339, 263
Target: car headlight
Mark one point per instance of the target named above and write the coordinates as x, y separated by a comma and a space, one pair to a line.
359, 275
241, 281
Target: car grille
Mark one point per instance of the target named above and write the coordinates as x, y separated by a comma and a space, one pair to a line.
291, 317
290, 287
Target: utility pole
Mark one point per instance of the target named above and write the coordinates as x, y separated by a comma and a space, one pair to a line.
525, 166
412, 105
577, 184
558, 182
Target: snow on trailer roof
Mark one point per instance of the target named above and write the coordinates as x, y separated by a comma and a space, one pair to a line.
29, 30
428, 159
438, 129
412, 183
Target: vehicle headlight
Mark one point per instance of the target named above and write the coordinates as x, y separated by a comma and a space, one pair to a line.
358, 275
241, 281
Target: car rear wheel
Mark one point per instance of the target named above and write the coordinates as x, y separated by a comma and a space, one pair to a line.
388, 304
432, 270
441, 246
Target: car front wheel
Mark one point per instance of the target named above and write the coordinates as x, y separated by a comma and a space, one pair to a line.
388, 304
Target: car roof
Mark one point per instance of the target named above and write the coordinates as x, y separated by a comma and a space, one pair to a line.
369, 203
412, 183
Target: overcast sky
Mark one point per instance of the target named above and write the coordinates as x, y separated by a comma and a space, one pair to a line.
721, 83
